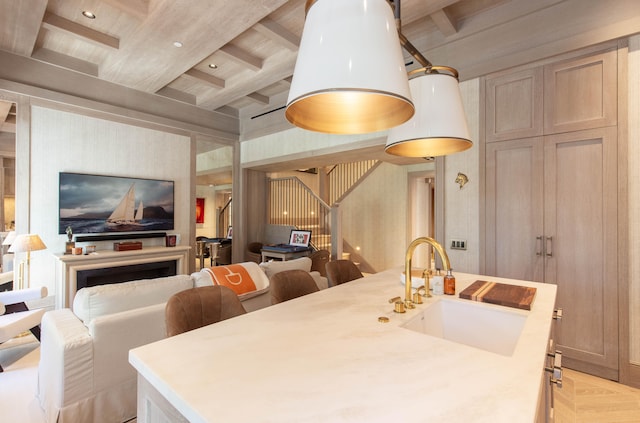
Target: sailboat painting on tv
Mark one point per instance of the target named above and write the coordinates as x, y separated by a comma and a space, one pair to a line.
101, 204
125, 213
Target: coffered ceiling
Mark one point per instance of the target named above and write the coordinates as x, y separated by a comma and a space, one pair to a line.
236, 56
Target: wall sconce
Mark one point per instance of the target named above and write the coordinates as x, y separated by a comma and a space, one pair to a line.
350, 75
461, 179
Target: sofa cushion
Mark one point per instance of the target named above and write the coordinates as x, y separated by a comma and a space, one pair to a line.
273, 267
261, 281
233, 276
101, 300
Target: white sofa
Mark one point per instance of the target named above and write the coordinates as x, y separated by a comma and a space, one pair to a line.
84, 373
270, 268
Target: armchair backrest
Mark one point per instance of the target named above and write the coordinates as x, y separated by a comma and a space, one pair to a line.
101, 300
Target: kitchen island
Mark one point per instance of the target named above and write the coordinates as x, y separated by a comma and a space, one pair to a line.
326, 357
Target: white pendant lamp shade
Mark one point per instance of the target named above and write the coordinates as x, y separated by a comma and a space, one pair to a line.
350, 76
439, 126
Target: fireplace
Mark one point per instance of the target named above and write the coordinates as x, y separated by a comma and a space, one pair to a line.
104, 267
118, 274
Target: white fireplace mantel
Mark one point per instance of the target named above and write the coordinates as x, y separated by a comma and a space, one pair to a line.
68, 266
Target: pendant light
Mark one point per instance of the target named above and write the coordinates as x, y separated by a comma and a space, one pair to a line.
439, 126
350, 76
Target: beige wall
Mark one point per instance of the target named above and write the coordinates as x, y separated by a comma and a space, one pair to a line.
634, 199
461, 208
374, 217
63, 141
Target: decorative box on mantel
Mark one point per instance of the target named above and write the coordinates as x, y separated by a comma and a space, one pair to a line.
127, 246
68, 266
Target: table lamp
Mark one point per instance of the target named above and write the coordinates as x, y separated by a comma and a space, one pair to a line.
26, 243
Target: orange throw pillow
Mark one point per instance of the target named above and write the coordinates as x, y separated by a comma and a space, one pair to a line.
233, 276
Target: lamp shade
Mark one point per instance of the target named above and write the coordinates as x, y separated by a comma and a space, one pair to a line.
439, 126
350, 76
27, 243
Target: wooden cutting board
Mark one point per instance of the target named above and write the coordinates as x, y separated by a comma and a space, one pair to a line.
515, 296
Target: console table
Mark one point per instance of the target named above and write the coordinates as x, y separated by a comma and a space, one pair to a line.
68, 266
283, 255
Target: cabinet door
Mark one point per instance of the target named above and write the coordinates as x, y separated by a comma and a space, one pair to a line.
581, 93
514, 105
581, 223
514, 209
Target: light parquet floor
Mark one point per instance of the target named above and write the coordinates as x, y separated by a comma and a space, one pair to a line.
588, 399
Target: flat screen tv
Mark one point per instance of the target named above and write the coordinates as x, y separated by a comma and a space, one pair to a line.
98, 204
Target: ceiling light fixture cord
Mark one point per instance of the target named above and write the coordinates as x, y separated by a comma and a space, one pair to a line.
411, 49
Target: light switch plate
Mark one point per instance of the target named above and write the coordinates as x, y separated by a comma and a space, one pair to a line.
458, 244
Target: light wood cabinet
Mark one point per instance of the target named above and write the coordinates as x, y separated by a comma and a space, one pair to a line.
514, 105
581, 93
551, 204
513, 209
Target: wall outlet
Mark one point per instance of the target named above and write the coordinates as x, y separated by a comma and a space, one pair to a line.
458, 244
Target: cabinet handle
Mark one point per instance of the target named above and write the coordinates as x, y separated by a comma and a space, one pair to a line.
557, 359
556, 368
539, 245
549, 243
556, 376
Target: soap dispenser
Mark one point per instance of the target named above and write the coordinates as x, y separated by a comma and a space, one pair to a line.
449, 283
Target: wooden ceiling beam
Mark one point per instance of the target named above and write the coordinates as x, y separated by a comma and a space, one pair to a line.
5, 109
434, 6
277, 33
177, 95
20, 22
205, 77
259, 98
243, 57
58, 23
65, 61
444, 22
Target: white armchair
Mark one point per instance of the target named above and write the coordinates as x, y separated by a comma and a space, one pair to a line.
15, 317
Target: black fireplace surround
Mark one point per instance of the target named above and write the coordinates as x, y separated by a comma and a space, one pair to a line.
119, 274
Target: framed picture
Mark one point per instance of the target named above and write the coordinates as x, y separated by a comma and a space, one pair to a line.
199, 210
98, 204
171, 240
300, 238
230, 232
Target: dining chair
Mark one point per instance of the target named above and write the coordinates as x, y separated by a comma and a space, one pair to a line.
341, 271
290, 284
197, 307
319, 259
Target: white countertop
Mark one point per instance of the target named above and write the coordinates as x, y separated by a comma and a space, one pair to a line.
326, 358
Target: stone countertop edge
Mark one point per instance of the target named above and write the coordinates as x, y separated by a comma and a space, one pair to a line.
326, 358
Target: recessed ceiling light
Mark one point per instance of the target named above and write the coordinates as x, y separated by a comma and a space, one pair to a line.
177, 44
213, 66
87, 14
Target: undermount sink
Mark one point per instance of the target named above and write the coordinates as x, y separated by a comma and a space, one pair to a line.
471, 323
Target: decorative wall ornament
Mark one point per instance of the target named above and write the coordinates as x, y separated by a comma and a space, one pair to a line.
461, 179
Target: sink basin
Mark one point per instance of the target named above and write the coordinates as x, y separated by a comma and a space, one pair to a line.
471, 323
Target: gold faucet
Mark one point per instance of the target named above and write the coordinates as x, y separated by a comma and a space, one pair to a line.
407, 265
